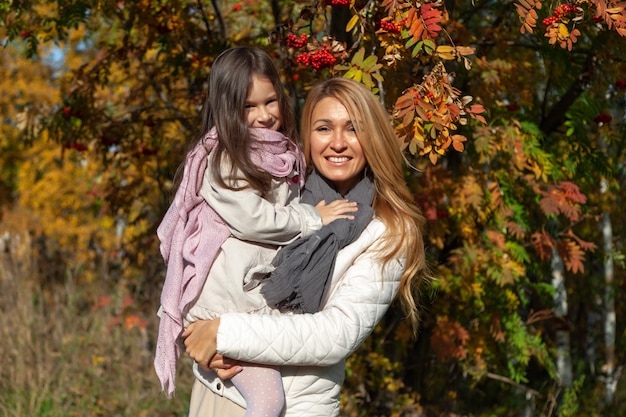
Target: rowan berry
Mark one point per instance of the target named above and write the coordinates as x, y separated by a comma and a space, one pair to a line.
319, 59
297, 42
338, 3
603, 118
548, 21
390, 26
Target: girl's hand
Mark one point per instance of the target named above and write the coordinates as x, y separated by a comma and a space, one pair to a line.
201, 341
338, 209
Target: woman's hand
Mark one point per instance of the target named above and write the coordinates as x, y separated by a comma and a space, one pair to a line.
201, 341
338, 209
225, 368
201, 344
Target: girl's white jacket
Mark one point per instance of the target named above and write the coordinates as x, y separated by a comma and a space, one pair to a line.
311, 348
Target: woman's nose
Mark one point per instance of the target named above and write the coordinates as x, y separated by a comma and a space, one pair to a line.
338, 142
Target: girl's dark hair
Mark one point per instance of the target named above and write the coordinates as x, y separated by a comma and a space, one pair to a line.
229, 83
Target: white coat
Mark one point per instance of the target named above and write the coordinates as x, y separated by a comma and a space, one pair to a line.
312, 348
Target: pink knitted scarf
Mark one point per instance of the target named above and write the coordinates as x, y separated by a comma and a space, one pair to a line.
191, 234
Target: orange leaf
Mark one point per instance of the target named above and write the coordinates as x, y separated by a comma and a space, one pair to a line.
449, 339
103, 301
573, 256
542, 243
457, 142
133, 321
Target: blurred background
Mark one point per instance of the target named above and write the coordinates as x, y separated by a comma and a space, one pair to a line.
512, 116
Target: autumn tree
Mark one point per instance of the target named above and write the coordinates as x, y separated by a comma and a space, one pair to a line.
512, 118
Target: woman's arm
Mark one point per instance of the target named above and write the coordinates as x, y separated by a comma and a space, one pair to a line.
323, 338
356, 304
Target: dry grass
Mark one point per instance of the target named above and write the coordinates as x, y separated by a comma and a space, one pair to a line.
71, 349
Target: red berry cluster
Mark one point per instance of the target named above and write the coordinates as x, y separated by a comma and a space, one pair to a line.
548, 21
564, 9
603, 118
76, 146
297, 42
318, 60
560, 12
621, 84
391, 26
340, 3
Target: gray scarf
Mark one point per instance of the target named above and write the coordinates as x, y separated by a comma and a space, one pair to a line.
305, 266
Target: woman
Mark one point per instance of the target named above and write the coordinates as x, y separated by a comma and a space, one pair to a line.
347, 136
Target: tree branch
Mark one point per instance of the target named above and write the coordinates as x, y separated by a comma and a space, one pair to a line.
556, 117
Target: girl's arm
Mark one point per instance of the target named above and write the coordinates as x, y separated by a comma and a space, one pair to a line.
251, 217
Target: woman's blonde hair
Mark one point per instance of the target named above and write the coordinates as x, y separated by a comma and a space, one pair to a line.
393, 202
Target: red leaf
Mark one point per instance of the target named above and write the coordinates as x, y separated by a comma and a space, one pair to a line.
542, 243
449, 339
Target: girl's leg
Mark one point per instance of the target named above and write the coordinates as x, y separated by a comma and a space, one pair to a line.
262, 388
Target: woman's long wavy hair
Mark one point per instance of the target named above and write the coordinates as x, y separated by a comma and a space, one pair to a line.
393, 202
229, 84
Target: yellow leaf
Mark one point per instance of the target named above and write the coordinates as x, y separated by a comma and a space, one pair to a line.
446, 52
352, 23
367, 80
96, 360
358, 57
350, 73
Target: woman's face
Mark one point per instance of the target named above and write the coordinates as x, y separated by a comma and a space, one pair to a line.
336, 151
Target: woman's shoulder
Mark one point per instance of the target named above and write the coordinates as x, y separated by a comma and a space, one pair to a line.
376, 227
380, 237
374, 231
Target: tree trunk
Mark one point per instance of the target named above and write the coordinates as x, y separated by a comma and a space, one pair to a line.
611, 376
564, 359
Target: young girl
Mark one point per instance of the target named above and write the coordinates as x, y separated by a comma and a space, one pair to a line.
236, 203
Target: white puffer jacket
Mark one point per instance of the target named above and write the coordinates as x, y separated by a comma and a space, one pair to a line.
312, 348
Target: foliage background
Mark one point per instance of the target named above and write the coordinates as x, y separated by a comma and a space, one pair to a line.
512, 114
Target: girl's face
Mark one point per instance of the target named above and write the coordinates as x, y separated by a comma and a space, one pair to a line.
336, 150
262, 109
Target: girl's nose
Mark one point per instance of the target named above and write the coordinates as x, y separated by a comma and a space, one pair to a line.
264, 115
